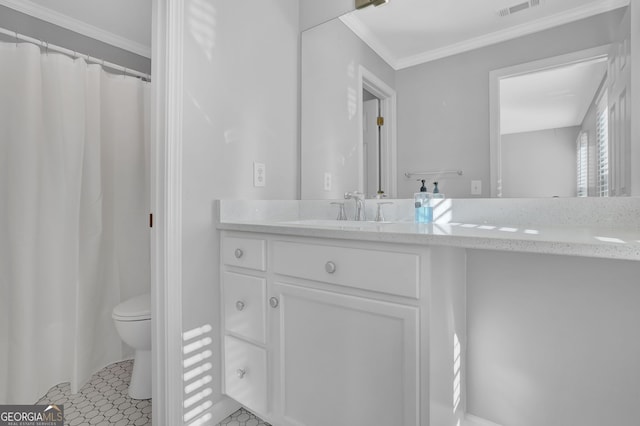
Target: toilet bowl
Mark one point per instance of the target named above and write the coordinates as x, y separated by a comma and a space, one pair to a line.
132, 319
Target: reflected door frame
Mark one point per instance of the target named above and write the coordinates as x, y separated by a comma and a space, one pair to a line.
370, 82
495, 145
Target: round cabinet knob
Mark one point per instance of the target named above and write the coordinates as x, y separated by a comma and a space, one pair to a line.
241, 372
274, 302
238, 253
240, 305
330, 267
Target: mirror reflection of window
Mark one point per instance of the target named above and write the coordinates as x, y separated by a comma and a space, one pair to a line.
582, 164
602, 135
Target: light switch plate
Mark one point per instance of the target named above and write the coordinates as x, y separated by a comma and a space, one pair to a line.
476, 187
259, 174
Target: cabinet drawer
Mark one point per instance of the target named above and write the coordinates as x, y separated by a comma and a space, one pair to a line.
244, 305
375, 270
245, 372
245, 252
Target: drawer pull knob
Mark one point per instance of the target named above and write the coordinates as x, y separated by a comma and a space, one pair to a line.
274, 302
238, 253
241, 372
330, 267
240, 305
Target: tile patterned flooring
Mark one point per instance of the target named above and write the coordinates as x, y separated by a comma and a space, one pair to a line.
242, 418
103, 401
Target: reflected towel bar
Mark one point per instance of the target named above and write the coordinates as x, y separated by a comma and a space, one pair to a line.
409, 175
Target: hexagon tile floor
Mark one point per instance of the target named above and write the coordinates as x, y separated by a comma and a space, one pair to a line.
242, 418
103, 400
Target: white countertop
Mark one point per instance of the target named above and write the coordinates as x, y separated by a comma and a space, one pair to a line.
583, 240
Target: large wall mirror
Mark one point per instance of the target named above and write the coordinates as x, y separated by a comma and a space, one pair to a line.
530, 100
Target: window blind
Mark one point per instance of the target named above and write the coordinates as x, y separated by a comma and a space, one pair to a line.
582, 146
602, 142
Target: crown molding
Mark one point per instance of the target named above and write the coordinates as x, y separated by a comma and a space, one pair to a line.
562, 18
37, 11
366, 35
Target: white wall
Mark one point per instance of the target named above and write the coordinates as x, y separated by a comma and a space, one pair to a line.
240, 106
314, 12
331, 57
552, 340
443, 106
540, 163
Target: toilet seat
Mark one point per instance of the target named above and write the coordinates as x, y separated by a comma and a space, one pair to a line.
135, 309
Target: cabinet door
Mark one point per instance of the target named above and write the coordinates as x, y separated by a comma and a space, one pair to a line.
344, 360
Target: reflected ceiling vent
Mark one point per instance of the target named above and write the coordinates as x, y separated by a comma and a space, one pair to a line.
518, 8
364, 3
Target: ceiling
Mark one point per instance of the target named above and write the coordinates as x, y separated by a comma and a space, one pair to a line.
410, 32
121, 23
549, 99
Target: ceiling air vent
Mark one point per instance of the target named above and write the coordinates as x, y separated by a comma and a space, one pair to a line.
518, 7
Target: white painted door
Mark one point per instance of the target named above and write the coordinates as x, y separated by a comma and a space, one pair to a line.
343, 360
370, 140
619, 98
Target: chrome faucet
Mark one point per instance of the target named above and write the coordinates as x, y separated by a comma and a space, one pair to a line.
360, 207
380, 215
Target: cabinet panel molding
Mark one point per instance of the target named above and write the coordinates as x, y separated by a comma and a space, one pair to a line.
373, 270
244, 252
345, 360
246, 373
244, 307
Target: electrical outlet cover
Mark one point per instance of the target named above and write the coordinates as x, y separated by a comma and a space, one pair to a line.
476, 187
259, 174
327, 181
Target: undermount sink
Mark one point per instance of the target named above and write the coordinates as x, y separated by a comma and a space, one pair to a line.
351, 224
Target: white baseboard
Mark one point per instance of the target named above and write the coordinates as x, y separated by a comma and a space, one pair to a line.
471, 420
227, 406
223, 409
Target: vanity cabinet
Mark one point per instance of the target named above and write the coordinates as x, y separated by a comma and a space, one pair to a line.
244, 287
344, 360
333, 332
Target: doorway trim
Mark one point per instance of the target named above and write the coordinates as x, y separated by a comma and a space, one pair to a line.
495, 145
387, 95
166, 206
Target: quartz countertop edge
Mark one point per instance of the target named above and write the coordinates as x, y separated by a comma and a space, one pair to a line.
579, 241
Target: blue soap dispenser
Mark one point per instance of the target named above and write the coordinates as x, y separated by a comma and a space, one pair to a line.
423, 208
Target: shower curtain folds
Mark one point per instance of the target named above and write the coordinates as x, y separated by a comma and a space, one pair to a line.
73, 204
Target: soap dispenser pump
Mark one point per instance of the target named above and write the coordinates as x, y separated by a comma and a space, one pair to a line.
423, 188
435, 188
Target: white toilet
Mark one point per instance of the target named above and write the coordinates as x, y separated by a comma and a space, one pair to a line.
133, 322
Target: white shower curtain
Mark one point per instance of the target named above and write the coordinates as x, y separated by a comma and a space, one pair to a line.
74, 237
